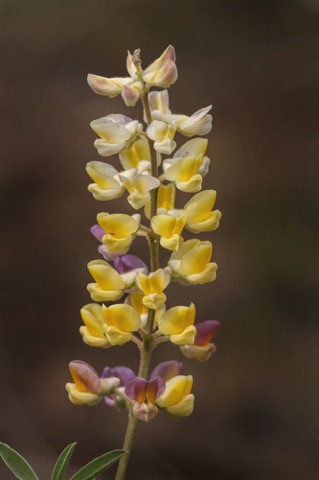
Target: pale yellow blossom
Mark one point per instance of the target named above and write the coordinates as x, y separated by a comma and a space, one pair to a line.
106, 185
152, 286
138, 186
119, 229
188, 166
115, 131
169, 227
191, 263
108, 285
199, 214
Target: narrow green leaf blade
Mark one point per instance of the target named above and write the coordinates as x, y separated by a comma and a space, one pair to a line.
17, 464
98, 465
62, 462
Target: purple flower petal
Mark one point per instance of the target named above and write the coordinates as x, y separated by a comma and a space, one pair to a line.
126, 263
136, 389
85, 377
206, 331
97, 232
108, 256
156, 387
167, 370
123, 373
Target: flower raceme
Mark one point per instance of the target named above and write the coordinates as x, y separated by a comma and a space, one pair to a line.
148, 163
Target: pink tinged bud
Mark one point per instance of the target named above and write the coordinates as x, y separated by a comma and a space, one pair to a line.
85, 377
130, 96
162, 72
167, 370
145, 412
104, 86
130, 65
206, 331
128, 262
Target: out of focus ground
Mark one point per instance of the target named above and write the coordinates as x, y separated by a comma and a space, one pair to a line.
257, 400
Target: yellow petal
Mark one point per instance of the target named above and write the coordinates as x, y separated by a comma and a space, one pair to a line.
176, 389
187, 337
118, 224
184, 408
199, 207
176, 319
117, 337
122, 316
105, 276
81, 398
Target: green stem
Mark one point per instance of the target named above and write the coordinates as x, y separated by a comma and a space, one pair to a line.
127, 446
146, 353
147, 347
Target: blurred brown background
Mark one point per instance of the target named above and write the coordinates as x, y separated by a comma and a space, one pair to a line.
257, 399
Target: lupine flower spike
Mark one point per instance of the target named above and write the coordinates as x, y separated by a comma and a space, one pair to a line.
147, 163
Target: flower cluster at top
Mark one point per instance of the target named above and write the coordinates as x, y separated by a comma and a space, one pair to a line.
150, 182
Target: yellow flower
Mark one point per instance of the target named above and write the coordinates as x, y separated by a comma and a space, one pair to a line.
199, 214
137, 155
165, 200
138, 186
169, 227
191, 263
188, 165
119, 230
115, 131
177, 399
152, 286
163, 134
120, 321
109, 284
107, 185
93, 331
178, 322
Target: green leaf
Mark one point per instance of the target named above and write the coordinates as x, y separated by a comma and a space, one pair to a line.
62, 462
98, 465
16, 463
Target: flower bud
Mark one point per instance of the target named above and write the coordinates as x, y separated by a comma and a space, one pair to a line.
162, 72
